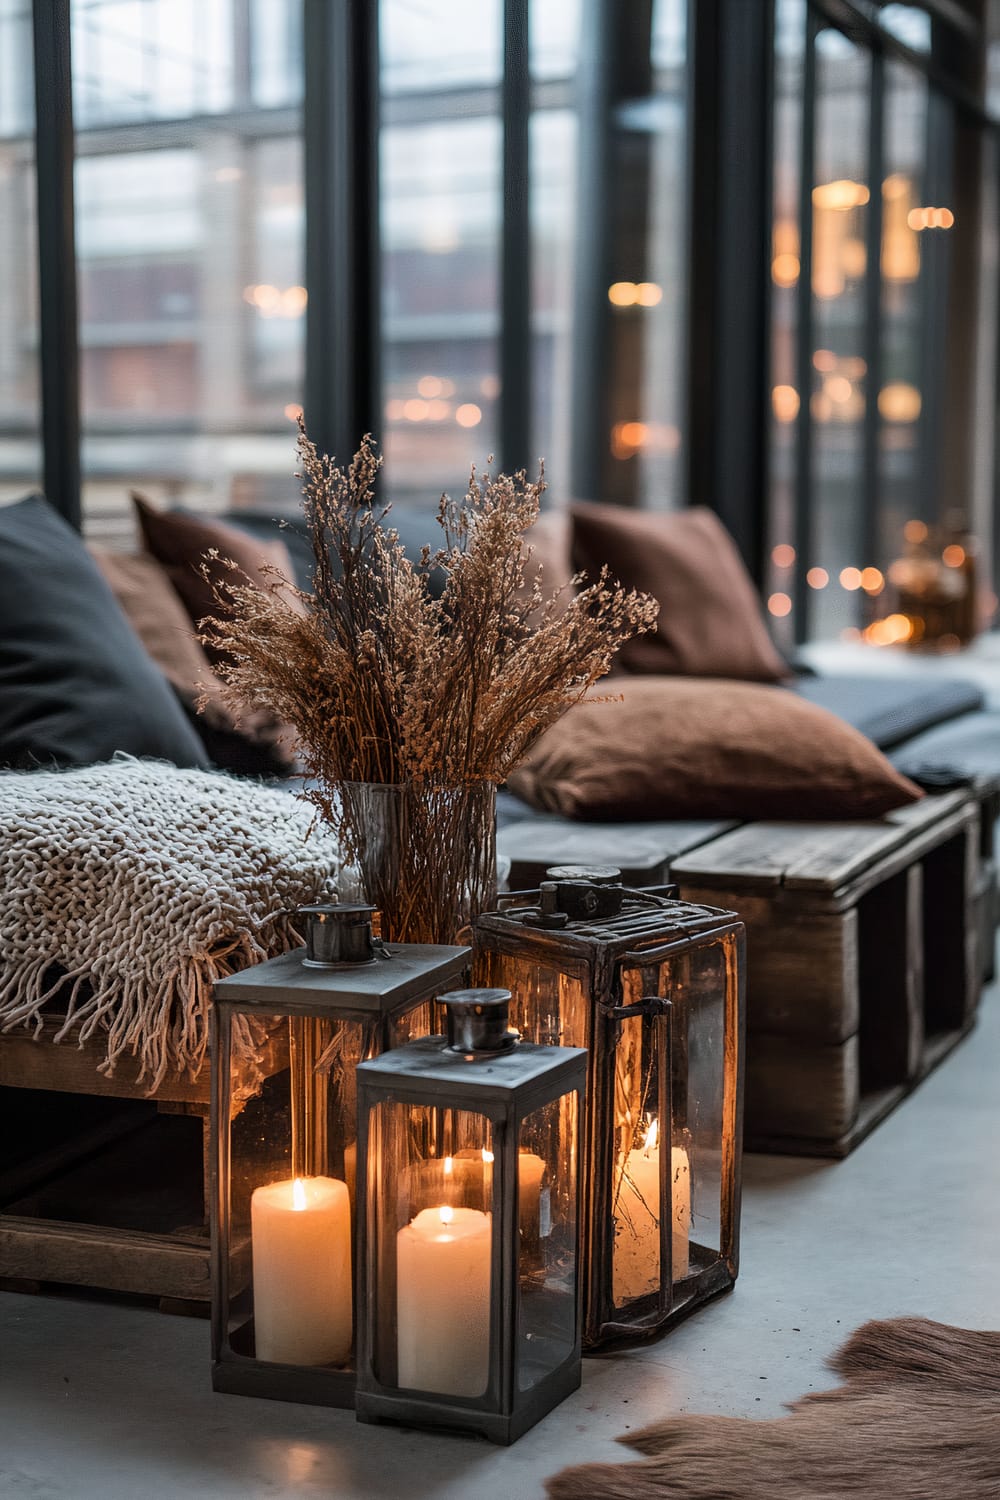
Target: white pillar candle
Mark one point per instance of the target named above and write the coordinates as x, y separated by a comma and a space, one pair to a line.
302, 1302
637, 1212
530, 1171
443, 1301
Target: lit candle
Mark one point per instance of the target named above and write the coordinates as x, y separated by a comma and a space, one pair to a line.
637, 1212
443, 1301
302, 1299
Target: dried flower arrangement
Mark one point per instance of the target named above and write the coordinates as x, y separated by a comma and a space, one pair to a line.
388, 687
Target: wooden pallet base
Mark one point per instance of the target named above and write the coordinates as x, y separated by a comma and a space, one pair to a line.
874, 1107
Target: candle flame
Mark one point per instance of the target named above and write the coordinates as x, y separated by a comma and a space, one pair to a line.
449, 1166
447, 1214
487, 1155
652, 1135
298, 1194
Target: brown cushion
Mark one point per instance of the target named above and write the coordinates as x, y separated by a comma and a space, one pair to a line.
180, 543
259, 745
676, 747
547, 556
710, 622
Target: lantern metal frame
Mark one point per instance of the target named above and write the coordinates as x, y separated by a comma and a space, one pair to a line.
595, 950
376, 996
503, 1087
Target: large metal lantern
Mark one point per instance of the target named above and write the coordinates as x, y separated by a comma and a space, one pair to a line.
653, 987
469, 1305
284, 1147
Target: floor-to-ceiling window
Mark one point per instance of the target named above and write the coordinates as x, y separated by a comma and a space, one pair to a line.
883, 328
189, 240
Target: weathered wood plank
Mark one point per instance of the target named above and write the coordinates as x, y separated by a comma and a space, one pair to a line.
117, 1260
801, 1089
890, 930
642, 851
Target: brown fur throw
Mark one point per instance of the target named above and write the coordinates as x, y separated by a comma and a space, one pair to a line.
917, 1419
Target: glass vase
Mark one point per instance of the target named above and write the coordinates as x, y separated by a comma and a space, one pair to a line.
425, 853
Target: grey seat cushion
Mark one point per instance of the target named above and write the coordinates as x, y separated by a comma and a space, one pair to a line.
890, 710
967, 747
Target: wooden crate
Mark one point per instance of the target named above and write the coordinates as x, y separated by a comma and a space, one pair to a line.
147, 1163
865, 961
643, 852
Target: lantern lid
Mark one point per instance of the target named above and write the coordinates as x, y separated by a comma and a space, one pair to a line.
410, 973
429, 1070
479, 1021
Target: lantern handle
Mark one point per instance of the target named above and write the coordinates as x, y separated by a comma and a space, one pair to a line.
649, 1005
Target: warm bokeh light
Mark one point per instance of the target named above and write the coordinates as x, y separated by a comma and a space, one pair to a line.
785, 269
915, 531
785, 402
437, 410
892, 631
394, 410
779, 605
838, 388
429, 385
824, 360
953, 556
489, 387
930, 218
896, 185
853, 258
622, 293
293, 411
821, 406
899, 402
266, 297
872, 581
783, 555
633, 433
817, 578
841, 194
648, 294
850, 578
293, 301
468, 415
414, 410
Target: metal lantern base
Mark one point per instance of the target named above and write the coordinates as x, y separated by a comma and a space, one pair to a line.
234, 1376
410, 1410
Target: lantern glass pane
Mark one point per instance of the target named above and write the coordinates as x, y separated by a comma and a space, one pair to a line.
698, 1018
420, 1021
547, 1209
430, 1183
547, 1006
293, 1135
640, 1185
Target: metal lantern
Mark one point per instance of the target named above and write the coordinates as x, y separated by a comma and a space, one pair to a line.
287, 1036
653, 987
469, 1305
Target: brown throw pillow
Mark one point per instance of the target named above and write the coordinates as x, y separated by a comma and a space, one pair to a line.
259, 745
675, 747
180, 542
710, 622
549, 544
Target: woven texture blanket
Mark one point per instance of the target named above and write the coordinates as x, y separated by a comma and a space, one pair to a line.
127, 889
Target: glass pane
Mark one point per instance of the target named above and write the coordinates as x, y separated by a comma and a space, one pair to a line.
641, 1186
430, 1177
20, 416
548, 1163
190, 248
648, 290
701, 1135
903, 305
547, 1006
440, 229
840, 198
790, 41
294, 1155
553, 147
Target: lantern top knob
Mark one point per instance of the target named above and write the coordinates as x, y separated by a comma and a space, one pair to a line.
338, 934
479, 1021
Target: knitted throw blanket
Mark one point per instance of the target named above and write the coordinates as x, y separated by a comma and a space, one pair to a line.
127, 889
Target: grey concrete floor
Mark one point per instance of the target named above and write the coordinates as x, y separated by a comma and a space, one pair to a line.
114, 1402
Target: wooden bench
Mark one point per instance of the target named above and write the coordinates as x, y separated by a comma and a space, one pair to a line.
865, 960
643, 852
118, 1199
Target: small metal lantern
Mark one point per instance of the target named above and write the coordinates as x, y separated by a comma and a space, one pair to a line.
653, 987
469, 1305
287, 1036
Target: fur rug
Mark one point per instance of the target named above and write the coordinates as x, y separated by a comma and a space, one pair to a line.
917, 1419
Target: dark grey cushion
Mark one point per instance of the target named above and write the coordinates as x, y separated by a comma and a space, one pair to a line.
968, 747
890, 710
75, 683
